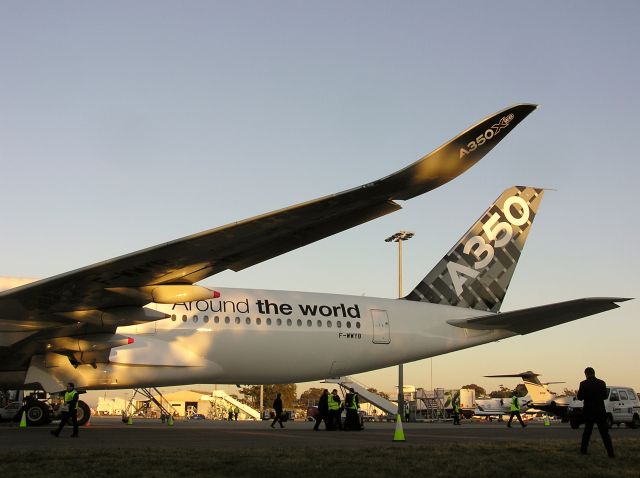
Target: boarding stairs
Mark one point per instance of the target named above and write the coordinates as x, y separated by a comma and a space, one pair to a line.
226, 399
151, 395
433, 403
361, 389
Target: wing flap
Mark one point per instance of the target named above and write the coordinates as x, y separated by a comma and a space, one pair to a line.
529, 320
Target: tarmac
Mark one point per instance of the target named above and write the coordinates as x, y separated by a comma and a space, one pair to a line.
111, 432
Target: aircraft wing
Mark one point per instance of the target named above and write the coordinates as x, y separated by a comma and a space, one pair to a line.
529, 320
241, 244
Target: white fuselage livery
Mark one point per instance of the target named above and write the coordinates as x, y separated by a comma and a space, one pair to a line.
258, 336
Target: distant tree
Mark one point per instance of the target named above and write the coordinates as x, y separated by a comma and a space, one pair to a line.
382, 394
288, 391
503, 392
569, 393
480, 392
310, 397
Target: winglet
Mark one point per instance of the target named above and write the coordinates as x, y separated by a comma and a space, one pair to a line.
456, 156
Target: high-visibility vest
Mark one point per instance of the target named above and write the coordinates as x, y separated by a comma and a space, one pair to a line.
353, 403
333, 402
68, 396
456, 407
515, 405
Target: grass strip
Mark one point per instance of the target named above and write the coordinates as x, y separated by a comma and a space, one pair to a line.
479, 460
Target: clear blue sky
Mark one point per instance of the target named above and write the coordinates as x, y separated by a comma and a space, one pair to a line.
126, 124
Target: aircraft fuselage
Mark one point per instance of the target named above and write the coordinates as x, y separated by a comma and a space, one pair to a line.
259, 336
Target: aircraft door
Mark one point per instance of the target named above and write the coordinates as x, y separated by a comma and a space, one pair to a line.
381, 328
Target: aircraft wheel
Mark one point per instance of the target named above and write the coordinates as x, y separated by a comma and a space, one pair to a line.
83, 412
37, 413
574, 424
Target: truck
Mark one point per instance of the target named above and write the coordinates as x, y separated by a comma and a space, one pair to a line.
622, 406
41, 409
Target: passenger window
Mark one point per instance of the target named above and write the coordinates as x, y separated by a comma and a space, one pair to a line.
623, 395
195, 318
205, 319
614, 396
348, 325
338, 324
289, 322
173, 317
258, 321
357, 325
319, 323
279, 321
328, 323
268, 321
216, 319
309, 323
248, 320
184, 318
237, 320
227, 320
632, 394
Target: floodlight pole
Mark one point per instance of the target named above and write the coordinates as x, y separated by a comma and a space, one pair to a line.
399, 237
261, 402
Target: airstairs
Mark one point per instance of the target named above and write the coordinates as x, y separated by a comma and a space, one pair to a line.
220, 402
432, 404
373, 398
144, 406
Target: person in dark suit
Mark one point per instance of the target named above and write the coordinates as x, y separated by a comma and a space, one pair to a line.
323, 411
593, 392
277, 408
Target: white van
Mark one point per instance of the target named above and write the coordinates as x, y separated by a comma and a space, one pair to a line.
622, 405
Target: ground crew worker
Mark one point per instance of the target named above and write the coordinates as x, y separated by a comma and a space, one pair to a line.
407, 412
456, 413
515, 410
236, 411
69, 410
593, 392
352, 402
230, 413
334, 410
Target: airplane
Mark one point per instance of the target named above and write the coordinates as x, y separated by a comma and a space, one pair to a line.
540, 397
491, 407
141, 320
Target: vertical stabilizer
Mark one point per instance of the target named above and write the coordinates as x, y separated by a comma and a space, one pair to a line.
538, 391
477, 271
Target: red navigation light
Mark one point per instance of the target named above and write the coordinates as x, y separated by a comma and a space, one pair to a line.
216, 294
130, 340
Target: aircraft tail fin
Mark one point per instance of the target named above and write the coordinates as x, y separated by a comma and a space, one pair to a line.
477, 271
538, 391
